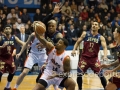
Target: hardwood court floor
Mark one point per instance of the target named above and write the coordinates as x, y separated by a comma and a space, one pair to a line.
90, 82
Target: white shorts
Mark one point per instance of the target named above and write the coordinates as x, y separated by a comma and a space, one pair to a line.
33, 59
54, 81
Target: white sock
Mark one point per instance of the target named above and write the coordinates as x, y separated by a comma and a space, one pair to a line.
16, 86
8, 85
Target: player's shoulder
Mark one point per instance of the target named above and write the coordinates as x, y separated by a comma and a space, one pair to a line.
101, 37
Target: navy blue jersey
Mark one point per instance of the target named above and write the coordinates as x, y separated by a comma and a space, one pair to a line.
52, 38
91, 45
8, 50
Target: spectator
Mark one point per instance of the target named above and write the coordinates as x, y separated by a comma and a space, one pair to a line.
5, 10
81, 7
19, 23
72, 35
25, 16
37, 16
15, 31
43, 10
9, 16
67, 8
17, 11
50, 8
118, 8
13, 19
84, 15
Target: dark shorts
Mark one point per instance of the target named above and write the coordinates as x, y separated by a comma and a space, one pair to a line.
7, 65
86, 63
44, 83
116, 81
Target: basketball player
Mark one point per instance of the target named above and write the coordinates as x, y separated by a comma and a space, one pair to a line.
114, 82
58, 66
37, 55
52, 35
89, 57
7, 46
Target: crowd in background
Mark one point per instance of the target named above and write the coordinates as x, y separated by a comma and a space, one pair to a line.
75, 16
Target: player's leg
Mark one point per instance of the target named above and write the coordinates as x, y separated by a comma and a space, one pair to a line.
95, 66
68, 83
10, 67
111, 86
1, 76
82, 67
28, 65
38, 77
9, 79
103, 79
21, 77
41, 85
114, 83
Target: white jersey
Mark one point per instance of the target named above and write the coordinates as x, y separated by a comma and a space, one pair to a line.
35, 48
55, 62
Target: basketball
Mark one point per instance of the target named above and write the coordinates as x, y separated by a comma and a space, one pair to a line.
40, 28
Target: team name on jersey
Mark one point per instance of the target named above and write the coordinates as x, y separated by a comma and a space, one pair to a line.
55, 63
92, 39
10, 42
50, 40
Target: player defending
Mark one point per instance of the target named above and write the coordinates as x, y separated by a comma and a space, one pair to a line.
37, 54
114, 82
7, 45
89, 58
58, 66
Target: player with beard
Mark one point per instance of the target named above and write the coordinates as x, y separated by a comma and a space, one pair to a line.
89, 57
7, 46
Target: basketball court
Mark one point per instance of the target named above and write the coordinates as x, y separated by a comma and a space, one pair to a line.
90, 82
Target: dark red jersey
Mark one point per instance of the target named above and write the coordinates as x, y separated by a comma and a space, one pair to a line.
7, 51
91, 45
118, 52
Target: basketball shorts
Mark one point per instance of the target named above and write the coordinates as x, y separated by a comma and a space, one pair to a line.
86, 63
55, 81
33, 59
115, 80
7, 65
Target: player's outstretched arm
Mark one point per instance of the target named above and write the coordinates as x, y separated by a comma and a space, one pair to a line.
78, 42
19, 41
30, 38
47, 44
103, 43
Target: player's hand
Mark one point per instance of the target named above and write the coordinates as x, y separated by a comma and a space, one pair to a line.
5, 44
108, 72
73, 53
105, 66
57, 8
43, 67
18, 55
105, 58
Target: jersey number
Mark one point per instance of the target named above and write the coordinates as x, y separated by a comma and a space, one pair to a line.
54, 69
91, 45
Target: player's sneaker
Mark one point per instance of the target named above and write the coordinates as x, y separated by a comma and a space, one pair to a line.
14, 89
7, 88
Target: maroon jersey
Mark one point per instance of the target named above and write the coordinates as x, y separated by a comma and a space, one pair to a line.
118, 52
7, 51
91, 45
